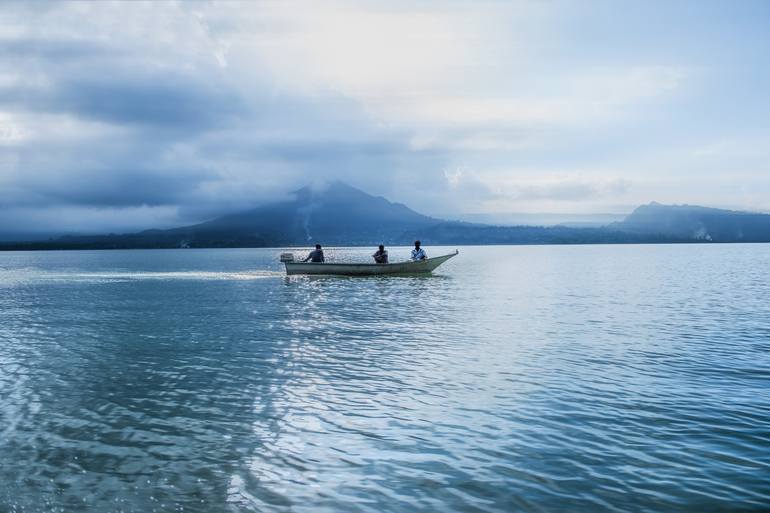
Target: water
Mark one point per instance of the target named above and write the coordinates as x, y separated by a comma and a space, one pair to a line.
531, 379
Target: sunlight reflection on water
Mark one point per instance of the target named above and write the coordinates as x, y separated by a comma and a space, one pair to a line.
584, 378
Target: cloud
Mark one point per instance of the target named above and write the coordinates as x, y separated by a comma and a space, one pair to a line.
163, 100
570, 190
42, 221
530, 187
120, 110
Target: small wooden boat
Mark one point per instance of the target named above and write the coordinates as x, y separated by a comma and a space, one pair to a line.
410, 267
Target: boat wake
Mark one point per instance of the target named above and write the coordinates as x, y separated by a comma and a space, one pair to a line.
124, 276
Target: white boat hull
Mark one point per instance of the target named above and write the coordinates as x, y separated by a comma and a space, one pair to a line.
410, 267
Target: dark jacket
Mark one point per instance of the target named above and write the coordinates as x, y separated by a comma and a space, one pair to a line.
317, 255
381, 257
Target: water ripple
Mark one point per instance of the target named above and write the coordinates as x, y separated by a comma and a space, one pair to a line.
534, 379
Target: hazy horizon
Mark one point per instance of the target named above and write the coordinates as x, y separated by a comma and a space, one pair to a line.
118, 117
499, 218
574, 219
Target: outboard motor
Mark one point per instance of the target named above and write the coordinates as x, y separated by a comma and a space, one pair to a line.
287, 257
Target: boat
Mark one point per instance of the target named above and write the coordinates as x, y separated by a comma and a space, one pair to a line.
334, 268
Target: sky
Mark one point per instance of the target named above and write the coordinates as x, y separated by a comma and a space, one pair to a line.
124, 116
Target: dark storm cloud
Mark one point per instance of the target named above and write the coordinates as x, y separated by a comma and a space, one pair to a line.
130, 159
124, 120
164, 101
119, 188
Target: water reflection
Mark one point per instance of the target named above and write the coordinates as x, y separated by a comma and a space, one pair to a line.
329, 385
531, 379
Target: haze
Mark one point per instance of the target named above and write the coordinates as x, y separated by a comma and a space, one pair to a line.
123, 116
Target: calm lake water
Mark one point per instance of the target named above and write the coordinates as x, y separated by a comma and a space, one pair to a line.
516, 379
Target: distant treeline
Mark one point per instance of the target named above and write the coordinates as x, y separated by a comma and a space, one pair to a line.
345, 216
441, 234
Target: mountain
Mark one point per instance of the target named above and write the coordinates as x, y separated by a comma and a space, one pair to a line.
696, 223
334, 214
339, 214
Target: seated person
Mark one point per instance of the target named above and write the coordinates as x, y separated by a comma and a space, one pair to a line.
317, 255
418, 253
381, 256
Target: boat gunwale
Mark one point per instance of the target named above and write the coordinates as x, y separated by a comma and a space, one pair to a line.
377, 266
414, 267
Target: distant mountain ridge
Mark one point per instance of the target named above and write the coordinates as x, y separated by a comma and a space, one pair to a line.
338, 214
696, 223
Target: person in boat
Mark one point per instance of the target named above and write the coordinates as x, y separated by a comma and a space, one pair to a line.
317, 255
381, 255
418, 253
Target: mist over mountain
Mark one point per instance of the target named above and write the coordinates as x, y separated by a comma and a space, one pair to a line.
697, 223
338, 214
539, 219
333, 214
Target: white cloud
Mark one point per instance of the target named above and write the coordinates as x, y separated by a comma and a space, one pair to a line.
437, 68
